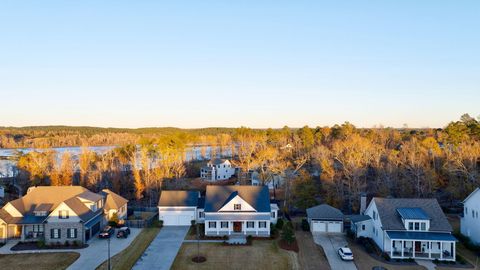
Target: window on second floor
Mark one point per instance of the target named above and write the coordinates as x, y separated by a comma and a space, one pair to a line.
237, 206
63, 214
374, 215
273, 214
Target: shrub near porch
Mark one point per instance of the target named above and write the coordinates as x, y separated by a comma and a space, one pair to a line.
262, 254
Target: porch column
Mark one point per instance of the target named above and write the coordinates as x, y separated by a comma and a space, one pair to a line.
430, 249
217, 226
244, 227
391, 248
441, 250
454, 253
230, 225
413, 249
22, 235
403, 247
256, 224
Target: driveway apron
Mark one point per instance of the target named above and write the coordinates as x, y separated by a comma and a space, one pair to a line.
164, 248
330, 244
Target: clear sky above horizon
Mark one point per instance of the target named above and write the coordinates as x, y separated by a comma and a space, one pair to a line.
232, 63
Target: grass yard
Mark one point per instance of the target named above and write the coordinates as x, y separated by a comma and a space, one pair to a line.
38, 261
365, 261
128, 257
262, 254
311, 255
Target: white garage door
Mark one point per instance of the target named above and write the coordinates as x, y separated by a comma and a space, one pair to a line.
335, 227
319, 226
177, 219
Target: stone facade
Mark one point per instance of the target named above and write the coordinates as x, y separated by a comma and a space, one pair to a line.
64, 226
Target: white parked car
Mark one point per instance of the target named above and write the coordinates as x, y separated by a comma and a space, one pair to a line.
345, 254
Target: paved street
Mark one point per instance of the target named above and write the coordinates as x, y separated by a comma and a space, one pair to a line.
162, 251
330, 244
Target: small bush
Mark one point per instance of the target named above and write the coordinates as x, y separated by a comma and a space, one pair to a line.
305, 225
385, 256
76, 243
41, 244
67, 243
113, 220
279, 224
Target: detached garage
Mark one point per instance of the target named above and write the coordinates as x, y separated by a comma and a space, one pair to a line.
325, 219
178, 208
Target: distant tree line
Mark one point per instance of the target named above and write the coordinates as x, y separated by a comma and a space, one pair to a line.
335, 164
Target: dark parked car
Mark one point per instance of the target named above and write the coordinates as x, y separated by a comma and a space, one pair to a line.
107, 232
123, 232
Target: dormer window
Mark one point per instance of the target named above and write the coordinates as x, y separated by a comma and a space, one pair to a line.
237, 207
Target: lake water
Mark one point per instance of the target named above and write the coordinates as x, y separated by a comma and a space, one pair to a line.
7, 167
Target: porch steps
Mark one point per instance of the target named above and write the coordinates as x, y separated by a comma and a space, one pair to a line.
237, 240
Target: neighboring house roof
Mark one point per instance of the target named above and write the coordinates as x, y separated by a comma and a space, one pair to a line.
90, 196
359, 218
218, 161
201, 202
412, 213
179, 198
324, 211
471, 194
113, 200
391, 220
206, 168
48, 198
256, 196
82, 211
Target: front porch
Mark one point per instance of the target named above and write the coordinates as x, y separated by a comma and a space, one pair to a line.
232, 228
428, 246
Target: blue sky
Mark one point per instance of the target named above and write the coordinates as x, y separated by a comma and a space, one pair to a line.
232, 63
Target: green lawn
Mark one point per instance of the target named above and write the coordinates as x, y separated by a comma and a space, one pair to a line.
128, 257
38, 261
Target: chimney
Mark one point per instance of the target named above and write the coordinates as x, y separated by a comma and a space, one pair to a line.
363, 203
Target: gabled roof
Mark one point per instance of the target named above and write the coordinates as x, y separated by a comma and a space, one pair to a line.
359, 218
179, 198
324, 211
391, 220
48, 198
256, 196
471, 195
113, 200
82, 211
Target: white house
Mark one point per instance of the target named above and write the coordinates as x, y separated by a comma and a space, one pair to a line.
225, 210
470, 222
57, 214
408, 228
217, 169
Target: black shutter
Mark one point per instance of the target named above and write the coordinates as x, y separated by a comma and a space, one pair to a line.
75, 233
51, 233
68, 232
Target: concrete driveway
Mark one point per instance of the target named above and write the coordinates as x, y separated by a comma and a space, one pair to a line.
97, 251
330, 244
164, 248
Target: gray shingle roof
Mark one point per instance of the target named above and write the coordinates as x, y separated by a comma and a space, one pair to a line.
217, 161
179, 198
257, 196
324, 211
391, 220
358, 218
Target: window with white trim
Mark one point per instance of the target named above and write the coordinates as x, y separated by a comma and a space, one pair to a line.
212, 224
273, 214
201, 214
250, 224
72, 233
262, 224
55, 233
224, 224
237, 206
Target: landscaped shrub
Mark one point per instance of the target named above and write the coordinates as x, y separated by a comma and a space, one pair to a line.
113, 220
386, 256
279, 224
41, 244
350, 234
287, 233
273, 230
305, 225
67, 243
